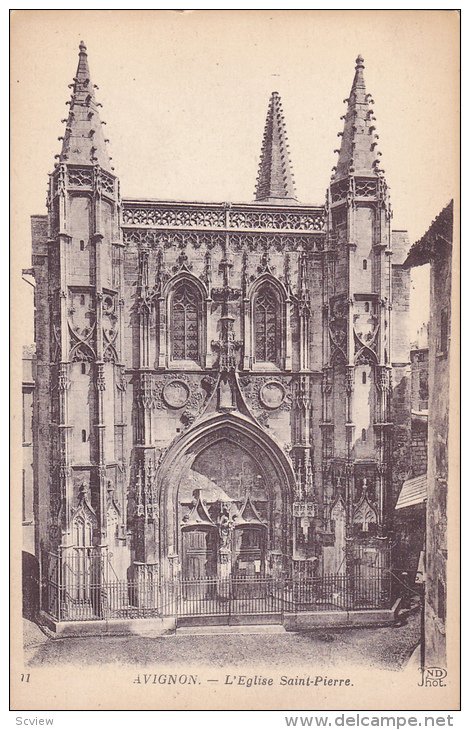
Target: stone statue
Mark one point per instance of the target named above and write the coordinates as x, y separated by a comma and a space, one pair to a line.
225, 526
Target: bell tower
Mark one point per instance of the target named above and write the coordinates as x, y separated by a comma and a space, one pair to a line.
357, 321
85, 370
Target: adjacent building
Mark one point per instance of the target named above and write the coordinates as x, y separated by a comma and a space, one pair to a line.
435, 248
419, 357
30, 574
27, 487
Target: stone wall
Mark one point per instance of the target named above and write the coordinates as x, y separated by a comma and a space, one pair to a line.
28, 518
43, 272
401, 429
419, 379
419, 445
438, 456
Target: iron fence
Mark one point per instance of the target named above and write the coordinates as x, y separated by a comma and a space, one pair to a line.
230, 597
333, 592
69, 594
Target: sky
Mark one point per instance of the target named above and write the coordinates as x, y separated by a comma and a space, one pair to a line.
185, 96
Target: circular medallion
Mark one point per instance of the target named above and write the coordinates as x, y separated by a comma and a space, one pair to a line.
272, 394
175, 394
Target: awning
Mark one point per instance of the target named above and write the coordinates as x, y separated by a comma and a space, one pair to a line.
413, 491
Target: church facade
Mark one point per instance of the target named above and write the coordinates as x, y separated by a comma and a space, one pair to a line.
221, 388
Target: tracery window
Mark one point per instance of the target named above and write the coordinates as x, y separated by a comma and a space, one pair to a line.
266, 325
83, 531
185, 310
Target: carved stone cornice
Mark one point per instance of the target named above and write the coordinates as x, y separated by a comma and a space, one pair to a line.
219, 216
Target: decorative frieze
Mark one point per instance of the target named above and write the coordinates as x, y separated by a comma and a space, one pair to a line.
162, 217
237, 242
279, 242
304, 509
314, 221
158, 216
172, 239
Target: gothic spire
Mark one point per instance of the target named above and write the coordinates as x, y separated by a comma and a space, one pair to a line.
275, 182
358, 154
83, 142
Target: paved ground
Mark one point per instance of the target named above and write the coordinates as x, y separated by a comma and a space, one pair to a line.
387, 648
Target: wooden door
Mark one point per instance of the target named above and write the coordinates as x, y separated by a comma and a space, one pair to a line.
199, 554
250, 551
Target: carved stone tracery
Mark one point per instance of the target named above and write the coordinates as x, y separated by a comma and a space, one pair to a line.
338, 329
147, 394
145, 494
80, 177
204, 217
237, 242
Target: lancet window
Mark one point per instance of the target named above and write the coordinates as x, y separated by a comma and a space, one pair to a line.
266, 325
185, 315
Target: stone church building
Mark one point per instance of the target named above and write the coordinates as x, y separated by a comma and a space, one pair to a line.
222, 388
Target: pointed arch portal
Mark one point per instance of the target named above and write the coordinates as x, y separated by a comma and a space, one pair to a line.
225, 500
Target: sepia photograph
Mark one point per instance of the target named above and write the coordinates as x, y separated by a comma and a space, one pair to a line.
235, 359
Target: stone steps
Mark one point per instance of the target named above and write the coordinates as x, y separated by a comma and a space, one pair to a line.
240, 629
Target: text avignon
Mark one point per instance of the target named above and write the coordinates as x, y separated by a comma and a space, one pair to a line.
166, 679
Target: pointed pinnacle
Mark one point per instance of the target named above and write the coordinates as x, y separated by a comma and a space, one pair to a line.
356, 152
275, 183
84, 138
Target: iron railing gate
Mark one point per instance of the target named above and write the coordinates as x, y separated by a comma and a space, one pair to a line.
81, 590
232, 600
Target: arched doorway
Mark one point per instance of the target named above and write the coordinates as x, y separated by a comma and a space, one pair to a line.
225, 500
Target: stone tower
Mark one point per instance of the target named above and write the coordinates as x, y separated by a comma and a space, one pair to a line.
357, 312
79, 306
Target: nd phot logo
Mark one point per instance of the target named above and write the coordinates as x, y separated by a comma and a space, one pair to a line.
433, 677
